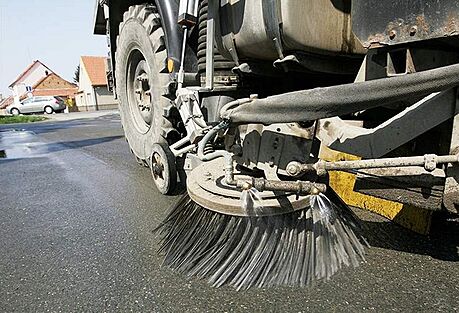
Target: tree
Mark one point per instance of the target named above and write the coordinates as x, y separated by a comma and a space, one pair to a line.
76, 76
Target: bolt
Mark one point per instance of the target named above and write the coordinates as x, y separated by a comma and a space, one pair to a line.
413, 30
392, 34
293, 168
138, 91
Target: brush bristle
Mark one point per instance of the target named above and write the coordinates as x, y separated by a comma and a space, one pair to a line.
293, 249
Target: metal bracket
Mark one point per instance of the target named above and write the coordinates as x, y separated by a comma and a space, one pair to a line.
405, 126
187, 103
451, 194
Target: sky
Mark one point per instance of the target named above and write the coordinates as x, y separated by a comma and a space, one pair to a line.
56, 32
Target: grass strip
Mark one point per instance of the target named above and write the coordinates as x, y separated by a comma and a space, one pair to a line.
21, 119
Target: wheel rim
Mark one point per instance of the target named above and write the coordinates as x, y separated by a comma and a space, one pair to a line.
139, 91
48, 110
158, 169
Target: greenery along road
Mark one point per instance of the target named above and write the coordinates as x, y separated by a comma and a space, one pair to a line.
21, 119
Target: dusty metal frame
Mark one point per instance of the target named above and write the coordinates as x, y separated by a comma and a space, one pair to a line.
415, 120
451, 193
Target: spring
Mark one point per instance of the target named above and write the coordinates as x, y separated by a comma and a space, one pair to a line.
209, 148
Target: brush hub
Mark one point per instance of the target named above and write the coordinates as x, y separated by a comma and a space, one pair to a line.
206, 186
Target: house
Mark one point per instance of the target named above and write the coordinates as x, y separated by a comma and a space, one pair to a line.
27, 79
39, 80
4, 103
54, 85
93, 93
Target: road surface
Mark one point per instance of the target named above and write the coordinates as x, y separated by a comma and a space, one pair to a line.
76, 221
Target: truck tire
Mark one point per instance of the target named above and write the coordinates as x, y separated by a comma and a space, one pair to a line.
142, 76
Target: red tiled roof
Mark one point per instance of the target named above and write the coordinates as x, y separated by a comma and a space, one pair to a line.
27, 70
96, 69
6, 102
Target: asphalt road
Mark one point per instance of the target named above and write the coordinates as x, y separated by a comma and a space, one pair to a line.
76, 221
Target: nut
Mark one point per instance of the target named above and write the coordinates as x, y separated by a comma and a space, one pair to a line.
293, 169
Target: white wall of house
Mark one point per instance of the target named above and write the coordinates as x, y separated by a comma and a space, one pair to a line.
91, 98
85, 99
105, 98
35, 74
85, 82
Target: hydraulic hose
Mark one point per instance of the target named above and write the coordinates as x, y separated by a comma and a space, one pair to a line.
229, 174
318, 103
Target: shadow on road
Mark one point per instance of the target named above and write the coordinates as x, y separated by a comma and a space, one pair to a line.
66, 145
441, 244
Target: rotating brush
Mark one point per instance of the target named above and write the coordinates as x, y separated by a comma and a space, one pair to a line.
293, 249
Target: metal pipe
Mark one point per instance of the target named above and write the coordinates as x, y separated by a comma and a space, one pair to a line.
300, 187
181, 73
180, 143
429, 161
183, 151
210, 45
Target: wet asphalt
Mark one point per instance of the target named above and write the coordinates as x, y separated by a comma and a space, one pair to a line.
76, 221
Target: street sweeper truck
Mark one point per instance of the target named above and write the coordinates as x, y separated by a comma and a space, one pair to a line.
238, 99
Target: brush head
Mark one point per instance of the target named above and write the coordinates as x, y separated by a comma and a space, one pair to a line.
206, 186
292, 249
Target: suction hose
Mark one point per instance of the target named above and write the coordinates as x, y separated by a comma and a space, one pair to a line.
318, 103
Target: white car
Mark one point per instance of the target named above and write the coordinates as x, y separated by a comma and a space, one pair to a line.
48, 105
